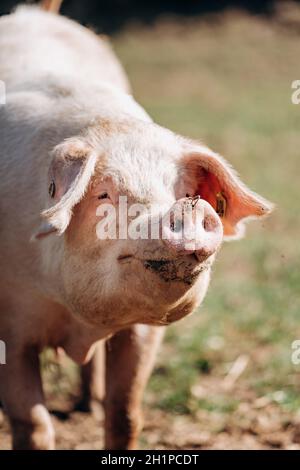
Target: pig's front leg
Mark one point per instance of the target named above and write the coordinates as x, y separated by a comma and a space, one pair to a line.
22, 397
130, 357
92, 380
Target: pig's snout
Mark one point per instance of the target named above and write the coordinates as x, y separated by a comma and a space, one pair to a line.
192, 226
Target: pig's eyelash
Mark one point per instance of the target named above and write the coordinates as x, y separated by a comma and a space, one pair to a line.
103, 195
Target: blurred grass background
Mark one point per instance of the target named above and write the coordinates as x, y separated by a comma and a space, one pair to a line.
227, 80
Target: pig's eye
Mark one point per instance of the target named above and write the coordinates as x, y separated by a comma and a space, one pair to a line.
103, 195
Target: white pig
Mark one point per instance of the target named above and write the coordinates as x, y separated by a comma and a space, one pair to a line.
73, 139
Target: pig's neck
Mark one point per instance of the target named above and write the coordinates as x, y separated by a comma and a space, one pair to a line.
64, 329
80, 341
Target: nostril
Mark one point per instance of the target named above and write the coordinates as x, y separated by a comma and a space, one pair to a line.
209, 223
176, 226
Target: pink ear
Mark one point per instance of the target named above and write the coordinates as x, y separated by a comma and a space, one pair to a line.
209, 175
70, 172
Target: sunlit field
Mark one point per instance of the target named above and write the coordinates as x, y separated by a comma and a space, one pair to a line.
228, 82
224, 376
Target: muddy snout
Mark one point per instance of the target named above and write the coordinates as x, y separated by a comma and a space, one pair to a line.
192, 227
185, 269
189, 233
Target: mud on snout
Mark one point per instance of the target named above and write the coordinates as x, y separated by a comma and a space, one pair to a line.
184, 270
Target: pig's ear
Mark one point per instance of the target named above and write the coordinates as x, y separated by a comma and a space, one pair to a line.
207, 174
72, 166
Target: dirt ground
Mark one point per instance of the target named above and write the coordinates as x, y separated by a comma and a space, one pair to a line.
257, 423
228, 82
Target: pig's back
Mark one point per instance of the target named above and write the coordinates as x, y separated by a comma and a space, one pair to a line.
34, 43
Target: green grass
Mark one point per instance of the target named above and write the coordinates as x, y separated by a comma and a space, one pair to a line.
229, 84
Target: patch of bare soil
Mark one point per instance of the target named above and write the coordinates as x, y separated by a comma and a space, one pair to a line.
255, 424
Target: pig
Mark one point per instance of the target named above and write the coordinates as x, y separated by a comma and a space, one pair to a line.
73, 140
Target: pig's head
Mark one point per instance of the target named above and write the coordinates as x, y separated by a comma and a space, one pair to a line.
144, 257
